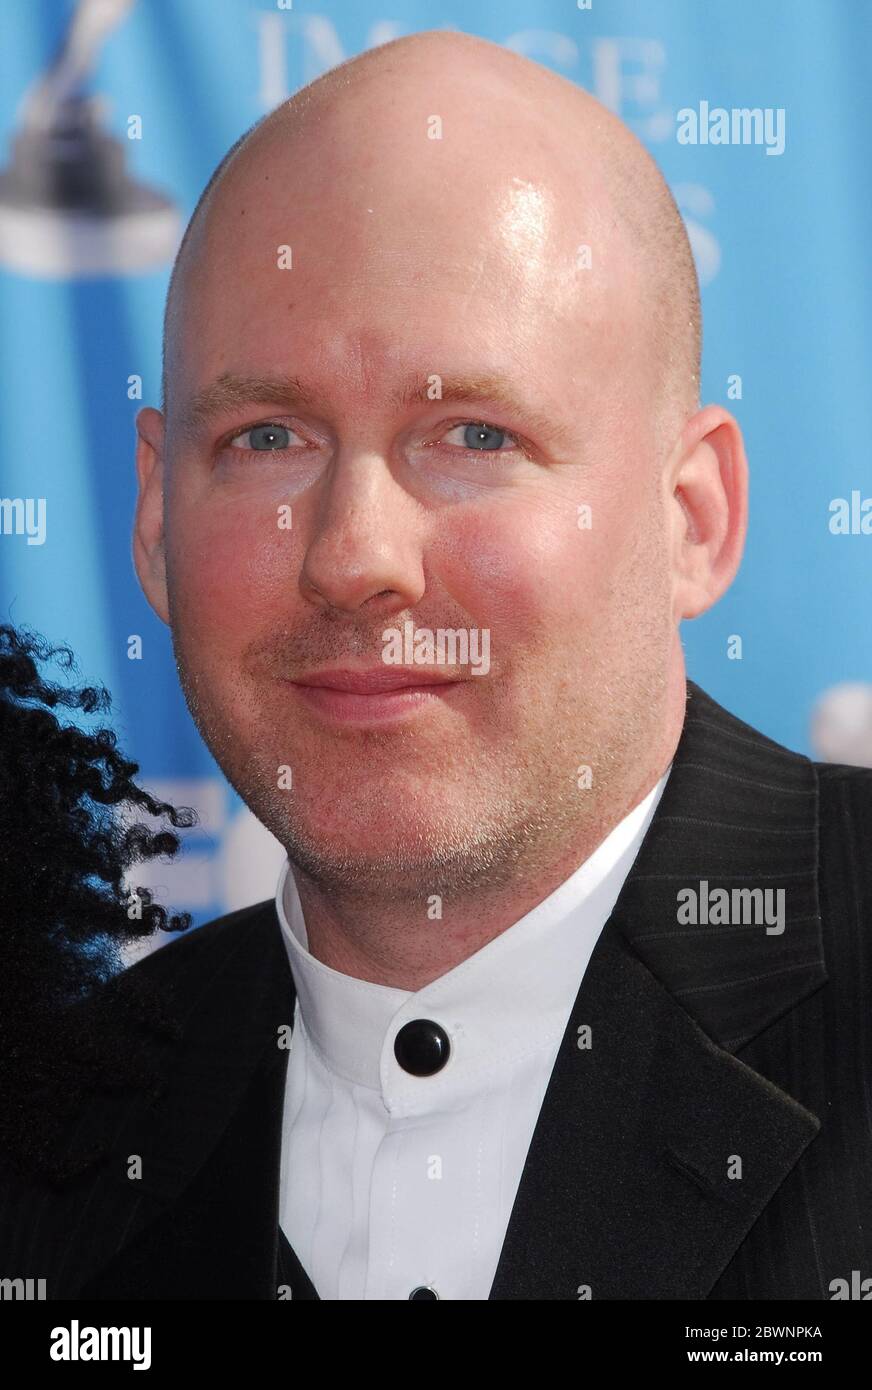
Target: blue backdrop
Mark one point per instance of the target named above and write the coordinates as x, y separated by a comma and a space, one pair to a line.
156, 91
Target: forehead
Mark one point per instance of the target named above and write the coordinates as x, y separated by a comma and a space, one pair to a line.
298, 270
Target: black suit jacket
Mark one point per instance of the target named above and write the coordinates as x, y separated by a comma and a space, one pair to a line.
712, 1046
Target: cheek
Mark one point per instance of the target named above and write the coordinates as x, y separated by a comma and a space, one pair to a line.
228, 569
481, 561
530, 569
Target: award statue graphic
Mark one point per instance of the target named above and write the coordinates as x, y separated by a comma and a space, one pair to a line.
68, 206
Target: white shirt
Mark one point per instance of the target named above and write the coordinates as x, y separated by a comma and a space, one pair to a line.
391, 1181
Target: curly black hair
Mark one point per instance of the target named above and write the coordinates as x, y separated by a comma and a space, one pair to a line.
69, 1013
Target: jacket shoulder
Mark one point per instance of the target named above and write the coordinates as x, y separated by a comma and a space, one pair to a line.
856, 780
846, 803
712, 722
191, 949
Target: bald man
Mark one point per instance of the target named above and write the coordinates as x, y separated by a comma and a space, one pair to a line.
562, 992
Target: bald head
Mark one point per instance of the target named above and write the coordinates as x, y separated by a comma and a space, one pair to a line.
362, 131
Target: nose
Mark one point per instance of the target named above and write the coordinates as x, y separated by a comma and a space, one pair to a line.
366, 541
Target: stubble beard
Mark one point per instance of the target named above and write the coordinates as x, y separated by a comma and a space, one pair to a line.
488, 820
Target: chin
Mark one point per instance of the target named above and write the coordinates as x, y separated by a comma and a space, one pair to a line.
380, 842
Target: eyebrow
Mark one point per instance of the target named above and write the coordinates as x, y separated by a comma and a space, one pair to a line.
230, 392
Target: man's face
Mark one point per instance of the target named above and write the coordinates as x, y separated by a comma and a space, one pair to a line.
544, 531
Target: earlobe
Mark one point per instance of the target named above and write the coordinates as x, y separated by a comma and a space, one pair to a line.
710, 493
148, 528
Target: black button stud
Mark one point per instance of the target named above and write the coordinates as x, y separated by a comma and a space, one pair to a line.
422, 1047
423, 1291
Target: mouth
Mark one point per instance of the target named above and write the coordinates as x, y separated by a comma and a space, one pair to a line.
379, 695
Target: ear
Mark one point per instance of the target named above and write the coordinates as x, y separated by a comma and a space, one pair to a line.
148, 527
708, 480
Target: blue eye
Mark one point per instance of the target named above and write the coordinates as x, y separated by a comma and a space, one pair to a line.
482, 438
266, 438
